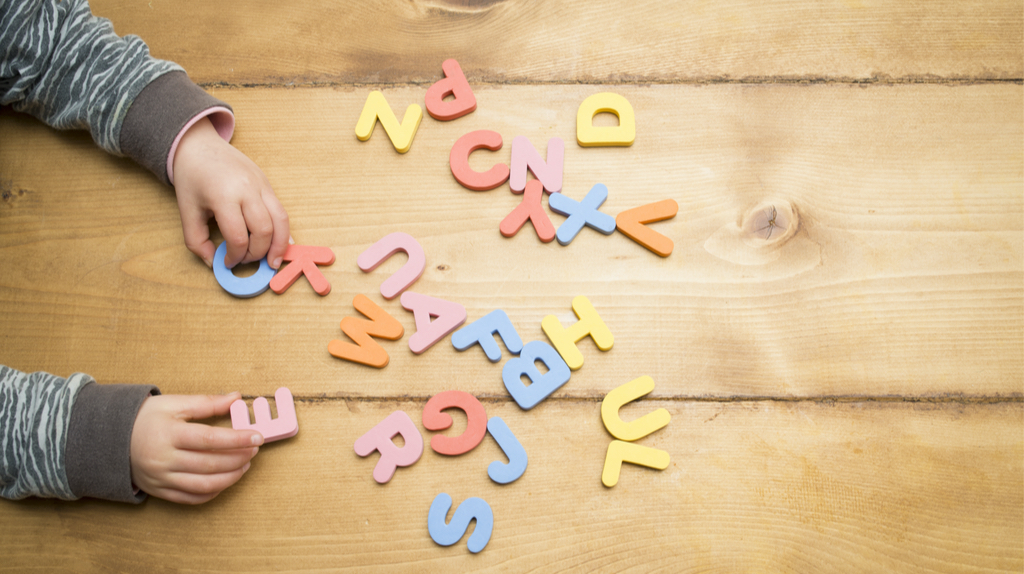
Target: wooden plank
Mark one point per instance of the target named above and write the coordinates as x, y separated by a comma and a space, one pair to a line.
513, 41
752, 486
904, 276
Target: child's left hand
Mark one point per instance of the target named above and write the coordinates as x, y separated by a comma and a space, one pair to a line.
213, 179
186, 462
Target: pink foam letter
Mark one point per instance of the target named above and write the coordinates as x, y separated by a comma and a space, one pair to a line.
391, 456
524, 157
449, 317
284, 426
379, 252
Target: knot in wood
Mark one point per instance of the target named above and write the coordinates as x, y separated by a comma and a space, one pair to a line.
771, 222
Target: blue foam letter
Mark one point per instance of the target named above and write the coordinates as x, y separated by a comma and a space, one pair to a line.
241, 286
506, 473
482, 331
582, 213
540, 385
448, 534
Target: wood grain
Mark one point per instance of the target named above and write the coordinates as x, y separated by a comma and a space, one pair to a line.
512, 41
845, 388
901, 277
752, 486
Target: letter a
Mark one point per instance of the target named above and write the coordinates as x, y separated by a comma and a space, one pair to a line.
449, 316
377, 108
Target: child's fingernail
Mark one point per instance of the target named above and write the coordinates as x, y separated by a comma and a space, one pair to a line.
255, 451
208, 262
276, 264
290, 240
257, 439
245, 468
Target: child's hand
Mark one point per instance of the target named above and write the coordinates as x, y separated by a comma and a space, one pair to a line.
213, 179
187, 462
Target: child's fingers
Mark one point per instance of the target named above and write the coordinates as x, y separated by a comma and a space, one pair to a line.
193, 436
200, 407
261, 230
205, 483
279, 243
236, 234
180, 497
195, 226
212, 462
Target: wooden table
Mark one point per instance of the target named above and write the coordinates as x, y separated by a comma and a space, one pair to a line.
846, 396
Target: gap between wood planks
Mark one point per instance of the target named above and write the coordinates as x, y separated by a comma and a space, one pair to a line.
946, 398
883, 81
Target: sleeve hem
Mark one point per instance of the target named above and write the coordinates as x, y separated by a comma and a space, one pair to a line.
223, 121
158, 115
98, 449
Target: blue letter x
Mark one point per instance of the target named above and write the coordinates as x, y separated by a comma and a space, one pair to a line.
581, 213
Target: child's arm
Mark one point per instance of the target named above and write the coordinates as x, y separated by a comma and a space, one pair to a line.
69, 69
72, 438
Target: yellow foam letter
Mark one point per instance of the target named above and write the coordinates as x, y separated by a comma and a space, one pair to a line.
642, 426
377, 108
621, 135
620, 452
564, 340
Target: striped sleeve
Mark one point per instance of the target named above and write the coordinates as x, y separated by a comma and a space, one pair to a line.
35, 410
70, 69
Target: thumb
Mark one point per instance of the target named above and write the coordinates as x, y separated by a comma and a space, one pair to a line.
200, 407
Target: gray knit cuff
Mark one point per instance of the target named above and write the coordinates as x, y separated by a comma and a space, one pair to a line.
98, 449
157, 116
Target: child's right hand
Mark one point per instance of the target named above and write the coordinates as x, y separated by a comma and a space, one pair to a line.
186, 462
214, 179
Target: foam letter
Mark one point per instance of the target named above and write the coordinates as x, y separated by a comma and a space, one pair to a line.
621, 135
541, 386
506, 473
304, 260
365, 350
582, 213
590, 323
524, 157
389, 245
529, 209
377, 108
453, 84
458, 160
242, 287
620, 452
434, 419
482, 331
448, 534
633, 224
391, 456
449, 316
642, 426
284, 426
